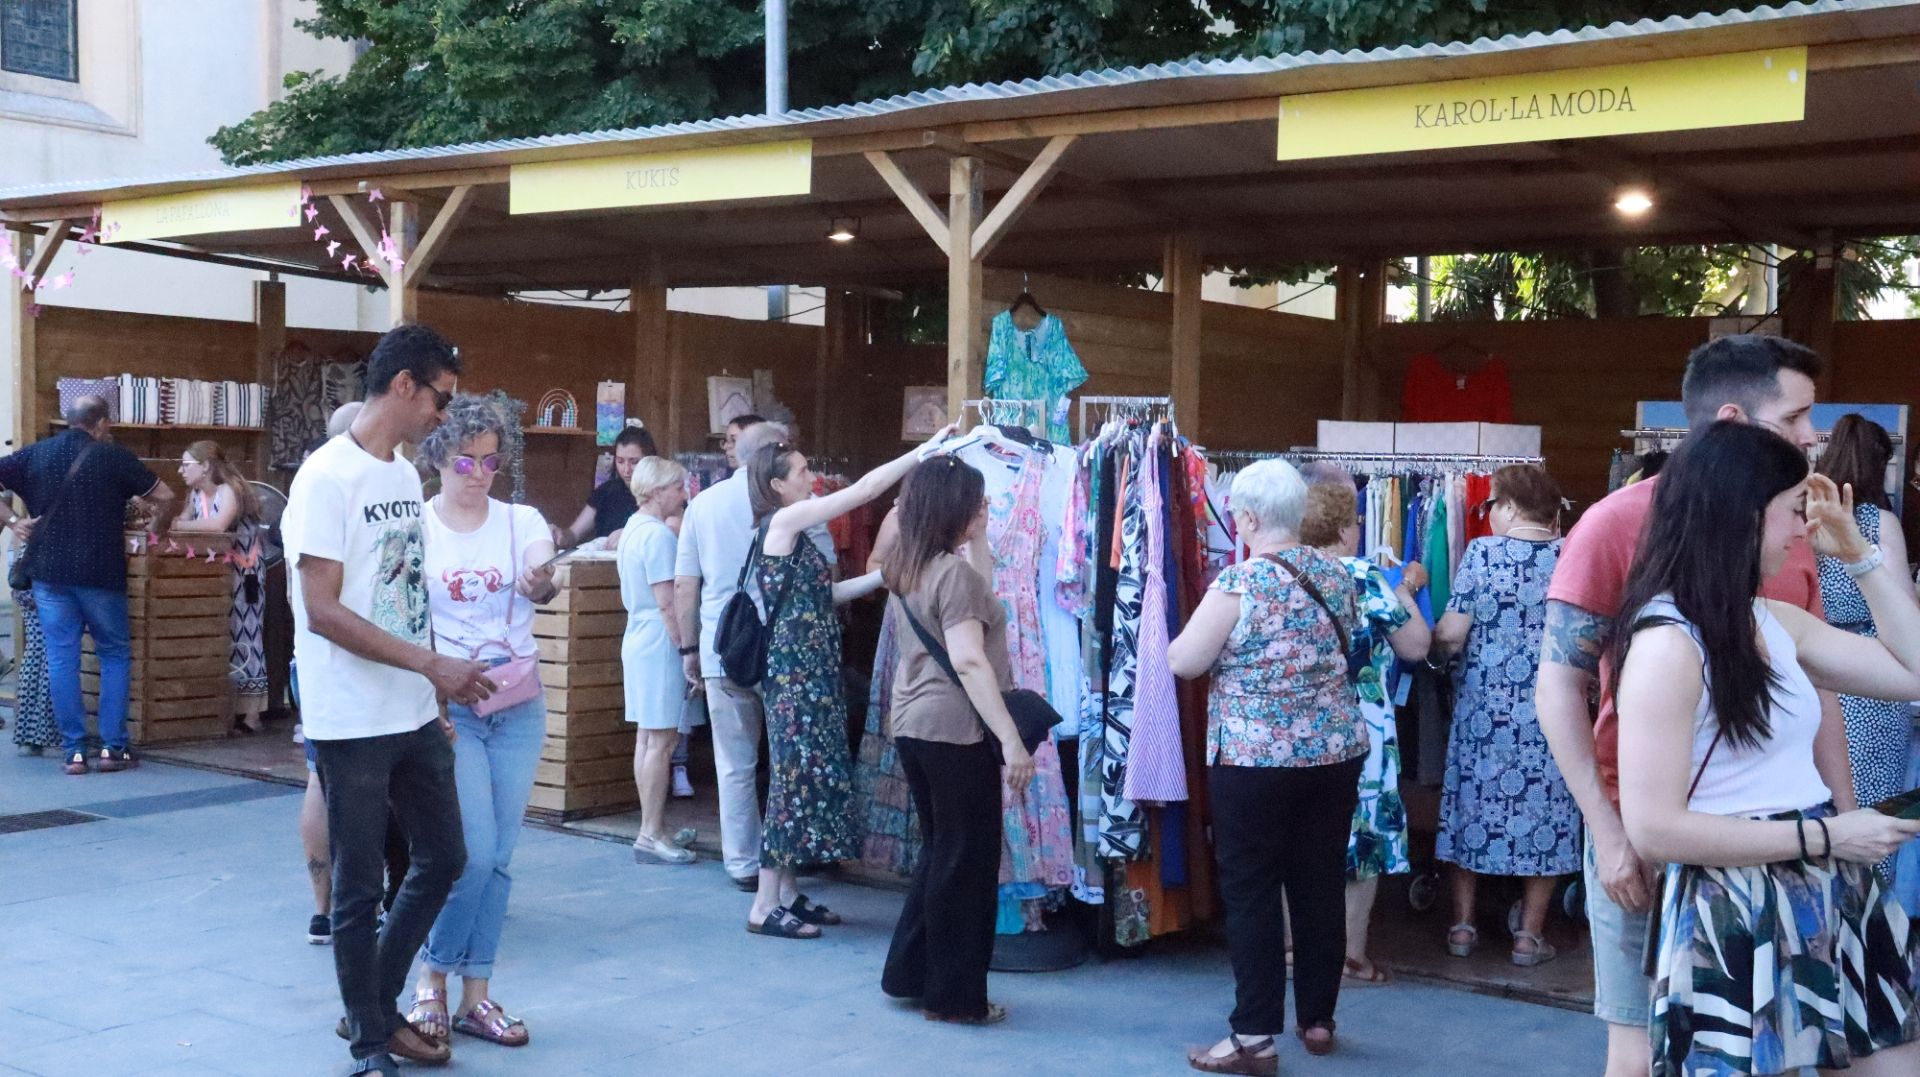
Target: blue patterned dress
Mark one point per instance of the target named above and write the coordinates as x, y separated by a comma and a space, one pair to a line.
1879, 732
1378, 845
1504, 807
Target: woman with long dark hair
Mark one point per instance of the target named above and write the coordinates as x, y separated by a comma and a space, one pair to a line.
1777, 949
809, 816
944, 939
1879, 731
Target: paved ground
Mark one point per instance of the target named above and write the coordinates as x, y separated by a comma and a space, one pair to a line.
167, 937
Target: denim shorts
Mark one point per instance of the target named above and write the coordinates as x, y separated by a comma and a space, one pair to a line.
1622, 991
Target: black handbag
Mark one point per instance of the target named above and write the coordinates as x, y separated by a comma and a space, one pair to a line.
1032, 715
1358, 649
740, 637
19, 578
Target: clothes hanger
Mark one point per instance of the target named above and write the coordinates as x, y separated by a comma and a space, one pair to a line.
1462, 343
1026, 299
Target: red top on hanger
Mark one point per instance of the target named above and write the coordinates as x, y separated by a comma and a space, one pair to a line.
1434, 394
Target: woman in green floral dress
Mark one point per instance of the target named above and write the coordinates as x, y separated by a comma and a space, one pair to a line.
809, 816
1378, 845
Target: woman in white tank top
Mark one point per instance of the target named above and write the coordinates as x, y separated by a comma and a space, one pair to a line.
1776, 948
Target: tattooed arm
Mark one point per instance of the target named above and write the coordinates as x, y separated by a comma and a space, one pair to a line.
1569, 664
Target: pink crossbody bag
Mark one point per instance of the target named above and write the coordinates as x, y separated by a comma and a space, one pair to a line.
516, 680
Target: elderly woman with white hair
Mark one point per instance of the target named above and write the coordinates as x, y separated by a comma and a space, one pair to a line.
656, 684
1285, 746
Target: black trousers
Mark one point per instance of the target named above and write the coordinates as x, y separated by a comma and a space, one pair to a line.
944, 940
1283, 831
407, 777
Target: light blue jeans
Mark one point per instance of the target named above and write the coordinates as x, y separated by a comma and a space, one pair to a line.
102, 612
494, 759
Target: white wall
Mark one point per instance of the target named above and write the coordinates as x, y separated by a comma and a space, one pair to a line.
161, 76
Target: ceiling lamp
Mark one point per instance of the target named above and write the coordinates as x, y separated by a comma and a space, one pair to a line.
1633, 201
844, 229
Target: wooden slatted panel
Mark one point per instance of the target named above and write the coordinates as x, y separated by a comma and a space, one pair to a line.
586, 762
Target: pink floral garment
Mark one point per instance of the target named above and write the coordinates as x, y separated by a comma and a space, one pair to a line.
1280, 696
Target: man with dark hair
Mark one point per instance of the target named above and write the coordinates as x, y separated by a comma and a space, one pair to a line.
370, 686
611, 504
76, 485
1752, 379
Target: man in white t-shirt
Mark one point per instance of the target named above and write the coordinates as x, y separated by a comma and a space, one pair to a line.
369, 685
715, 536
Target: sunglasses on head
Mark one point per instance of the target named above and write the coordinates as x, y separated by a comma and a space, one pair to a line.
466, 465
1485, 508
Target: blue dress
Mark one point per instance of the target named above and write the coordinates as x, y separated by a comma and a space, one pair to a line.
1879, 731
1504, 807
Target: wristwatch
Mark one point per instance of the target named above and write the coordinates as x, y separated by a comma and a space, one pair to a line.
684, 651
1873, 560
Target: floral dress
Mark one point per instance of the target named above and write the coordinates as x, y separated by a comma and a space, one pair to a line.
809, 817
892, 841
1378, 845
1504, 807
247, 653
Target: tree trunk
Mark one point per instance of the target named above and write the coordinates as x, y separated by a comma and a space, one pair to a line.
1613, 295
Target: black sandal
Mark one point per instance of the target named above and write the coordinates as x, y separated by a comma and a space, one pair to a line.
817, 915
782, 924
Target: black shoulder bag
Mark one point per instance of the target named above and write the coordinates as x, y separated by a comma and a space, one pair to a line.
18, 576
1358, 649
740, 637
1033, 716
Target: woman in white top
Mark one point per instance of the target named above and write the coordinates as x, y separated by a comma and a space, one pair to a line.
486, 569
1777, 948
656, 682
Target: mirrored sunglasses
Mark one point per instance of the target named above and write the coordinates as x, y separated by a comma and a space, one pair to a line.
465, 465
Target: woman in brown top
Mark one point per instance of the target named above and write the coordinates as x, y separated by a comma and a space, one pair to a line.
945, 936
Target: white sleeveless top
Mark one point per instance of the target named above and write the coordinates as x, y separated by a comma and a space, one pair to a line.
1778, 776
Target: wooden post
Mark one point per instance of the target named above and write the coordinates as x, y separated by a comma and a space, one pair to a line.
403, 295
20, 351
1182, 269
676, 393
650, 352
829, 373
1360, 297
964, 285
1810, 305
269, 340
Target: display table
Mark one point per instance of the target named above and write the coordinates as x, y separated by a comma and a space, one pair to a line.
177, 610
586, 765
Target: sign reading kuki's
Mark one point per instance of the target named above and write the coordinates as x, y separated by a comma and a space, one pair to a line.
1624, 99
193, 213
767, 170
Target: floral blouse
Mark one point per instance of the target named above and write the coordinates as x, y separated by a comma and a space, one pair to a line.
1280, 695
1384, 615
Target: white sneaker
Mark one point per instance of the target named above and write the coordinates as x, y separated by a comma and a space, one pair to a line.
682, 788
299, 733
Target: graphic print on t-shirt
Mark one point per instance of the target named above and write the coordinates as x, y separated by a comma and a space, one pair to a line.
473, 584
400, 584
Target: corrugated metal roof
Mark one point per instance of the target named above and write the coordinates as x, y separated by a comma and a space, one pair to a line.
974, 93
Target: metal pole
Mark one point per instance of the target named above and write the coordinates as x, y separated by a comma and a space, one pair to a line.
1423, 289
776, 104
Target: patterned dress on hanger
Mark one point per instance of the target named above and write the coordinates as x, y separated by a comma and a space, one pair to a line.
809, 817
1879, 731
880, 796
247, 649
1122, 823
1037, 851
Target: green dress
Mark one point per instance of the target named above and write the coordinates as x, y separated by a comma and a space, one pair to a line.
809, 817
1378, 844
1034, 364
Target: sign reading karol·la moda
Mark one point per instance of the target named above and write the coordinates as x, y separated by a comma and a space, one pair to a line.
1623, 99
763, 170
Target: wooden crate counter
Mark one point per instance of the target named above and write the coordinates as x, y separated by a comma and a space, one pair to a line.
586, 765
177, 611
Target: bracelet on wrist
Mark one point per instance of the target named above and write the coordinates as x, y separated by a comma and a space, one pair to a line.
685, 651
1874, 559
1826, 839
1800, 828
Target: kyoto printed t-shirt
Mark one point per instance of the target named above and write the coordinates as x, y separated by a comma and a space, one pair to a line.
1593, 576
348, 506
470, 581
927, 705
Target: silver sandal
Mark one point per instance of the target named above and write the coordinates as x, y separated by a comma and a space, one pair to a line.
649, 852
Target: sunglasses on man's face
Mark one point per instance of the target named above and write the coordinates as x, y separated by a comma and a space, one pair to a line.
467, 465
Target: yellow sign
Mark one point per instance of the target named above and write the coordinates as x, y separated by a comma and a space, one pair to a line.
228, 209
1625, 99
661, 179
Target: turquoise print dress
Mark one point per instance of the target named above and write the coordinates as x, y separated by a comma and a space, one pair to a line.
1504, 808
809, 818
1378, 845
1034, 364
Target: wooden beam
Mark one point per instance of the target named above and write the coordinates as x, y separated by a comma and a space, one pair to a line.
403, 297
21, 364
1810, 304
1183, 272
914, 199
414, 181
1020, 196
964, 285
1621, 169
363, 235
431, 244
1360, 299
269, 341
36, 267
651, 352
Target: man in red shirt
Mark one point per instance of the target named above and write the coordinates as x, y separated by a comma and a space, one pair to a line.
1756, 379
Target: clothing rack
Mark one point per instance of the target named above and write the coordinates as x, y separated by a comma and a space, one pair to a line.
1135, 407
1673, 435
1026, 413
1411, 463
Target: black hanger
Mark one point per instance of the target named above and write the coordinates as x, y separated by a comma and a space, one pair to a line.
1463, 343
1026, 299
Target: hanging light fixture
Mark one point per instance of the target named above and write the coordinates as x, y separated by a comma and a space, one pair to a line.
844, 229
1633, 201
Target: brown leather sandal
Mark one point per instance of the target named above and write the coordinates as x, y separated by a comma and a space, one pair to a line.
1246, 1058
995, 1014
1367, 975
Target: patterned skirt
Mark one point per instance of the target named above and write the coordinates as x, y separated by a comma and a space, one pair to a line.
1765, 970
1378, 844
33, 724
